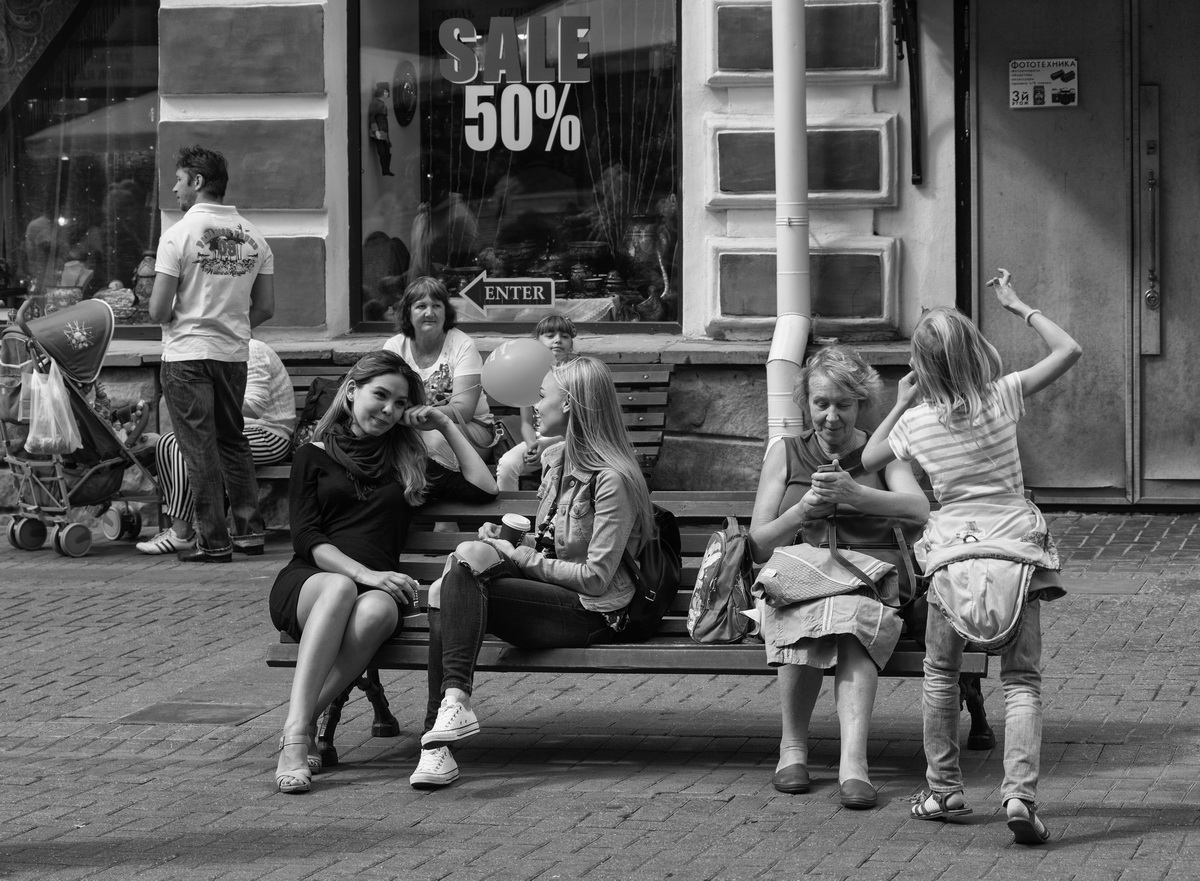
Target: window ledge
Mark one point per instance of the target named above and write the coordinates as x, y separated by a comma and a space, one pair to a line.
299, 345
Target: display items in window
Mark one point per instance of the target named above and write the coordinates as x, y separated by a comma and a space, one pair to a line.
540, 169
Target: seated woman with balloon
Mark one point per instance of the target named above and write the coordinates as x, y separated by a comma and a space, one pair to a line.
561, 587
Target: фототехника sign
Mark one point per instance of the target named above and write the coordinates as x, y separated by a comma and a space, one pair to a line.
1040, 83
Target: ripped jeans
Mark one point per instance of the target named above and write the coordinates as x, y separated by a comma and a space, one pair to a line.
502, 602
1021, 677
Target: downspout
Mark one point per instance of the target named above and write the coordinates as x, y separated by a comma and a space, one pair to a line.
793, 299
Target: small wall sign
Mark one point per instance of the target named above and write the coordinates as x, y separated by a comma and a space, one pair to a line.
1038, 83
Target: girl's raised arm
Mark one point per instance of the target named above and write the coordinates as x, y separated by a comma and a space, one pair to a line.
1064, 351
878, 451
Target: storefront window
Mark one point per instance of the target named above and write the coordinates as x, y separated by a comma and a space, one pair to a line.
525, 154
80, 107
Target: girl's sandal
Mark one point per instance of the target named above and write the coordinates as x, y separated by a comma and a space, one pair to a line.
943, 811
1025, 825
296, 780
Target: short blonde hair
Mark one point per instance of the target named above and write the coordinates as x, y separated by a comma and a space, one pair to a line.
847, 370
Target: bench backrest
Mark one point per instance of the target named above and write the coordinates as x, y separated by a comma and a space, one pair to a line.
641, 389
698, 518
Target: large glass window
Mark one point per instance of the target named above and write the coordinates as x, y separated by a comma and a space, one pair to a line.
80, 108
524, 153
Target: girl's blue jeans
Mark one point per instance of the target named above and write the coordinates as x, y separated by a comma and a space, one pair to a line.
1021, 677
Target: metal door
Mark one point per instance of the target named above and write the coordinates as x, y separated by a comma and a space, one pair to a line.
1065, 198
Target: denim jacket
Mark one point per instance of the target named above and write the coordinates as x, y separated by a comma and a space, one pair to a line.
590, 534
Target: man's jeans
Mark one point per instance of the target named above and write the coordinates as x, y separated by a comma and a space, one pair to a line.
1021, 676
500, 601
204, 399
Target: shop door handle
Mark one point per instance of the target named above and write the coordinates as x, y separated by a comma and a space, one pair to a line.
1148, 294
1153, 296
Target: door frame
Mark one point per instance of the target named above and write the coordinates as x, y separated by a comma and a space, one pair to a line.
967, 227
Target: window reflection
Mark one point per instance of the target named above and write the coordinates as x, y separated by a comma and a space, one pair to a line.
79, 154
551, 156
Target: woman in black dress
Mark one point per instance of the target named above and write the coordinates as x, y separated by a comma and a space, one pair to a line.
353, 491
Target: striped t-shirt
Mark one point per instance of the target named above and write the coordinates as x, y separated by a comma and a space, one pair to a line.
978, 461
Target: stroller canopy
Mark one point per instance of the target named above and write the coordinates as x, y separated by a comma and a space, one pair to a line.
75, 338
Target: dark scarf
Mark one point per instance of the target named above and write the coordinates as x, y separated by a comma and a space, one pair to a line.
364, 458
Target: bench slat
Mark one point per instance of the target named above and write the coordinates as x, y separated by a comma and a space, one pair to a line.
660, 655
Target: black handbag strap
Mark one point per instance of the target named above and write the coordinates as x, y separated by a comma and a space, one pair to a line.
901, 545
831, 537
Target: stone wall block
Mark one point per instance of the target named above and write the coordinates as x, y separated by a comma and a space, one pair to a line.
692, 462
730, 402
273, 163
262, 49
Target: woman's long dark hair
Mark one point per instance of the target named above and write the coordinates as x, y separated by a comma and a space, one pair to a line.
405, 448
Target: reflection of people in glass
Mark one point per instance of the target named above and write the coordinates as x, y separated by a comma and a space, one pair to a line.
115, 248
385, 268
37, 247
531, 199
377, 127
444, 231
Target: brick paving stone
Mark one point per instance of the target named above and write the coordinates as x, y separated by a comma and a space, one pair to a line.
573, 776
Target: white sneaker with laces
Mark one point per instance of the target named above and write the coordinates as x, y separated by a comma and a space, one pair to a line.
166, 542
437, 768
454, 724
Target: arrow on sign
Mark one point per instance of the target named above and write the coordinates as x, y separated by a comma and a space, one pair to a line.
487, 292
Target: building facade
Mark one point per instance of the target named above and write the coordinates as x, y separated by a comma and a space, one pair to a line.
614, 160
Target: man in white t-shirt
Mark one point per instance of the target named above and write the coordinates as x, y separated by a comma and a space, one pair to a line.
214, 281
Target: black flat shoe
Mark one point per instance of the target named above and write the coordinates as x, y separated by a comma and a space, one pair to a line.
199, 555
793, 779
858, 795
249, 550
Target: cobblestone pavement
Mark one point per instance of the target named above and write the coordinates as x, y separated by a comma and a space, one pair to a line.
597, 777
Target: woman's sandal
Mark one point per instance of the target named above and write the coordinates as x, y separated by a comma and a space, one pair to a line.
944, 812
296, 780
315, 762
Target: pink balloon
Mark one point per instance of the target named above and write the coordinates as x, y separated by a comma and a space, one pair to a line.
513, 373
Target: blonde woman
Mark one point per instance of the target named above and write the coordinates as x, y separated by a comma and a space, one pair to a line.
854, 633
565, 587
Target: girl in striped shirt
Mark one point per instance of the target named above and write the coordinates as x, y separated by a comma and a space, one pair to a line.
987, 549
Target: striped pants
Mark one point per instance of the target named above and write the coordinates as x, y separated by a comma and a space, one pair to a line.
267, 449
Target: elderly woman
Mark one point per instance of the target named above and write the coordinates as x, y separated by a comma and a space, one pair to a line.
855, 632
448, 363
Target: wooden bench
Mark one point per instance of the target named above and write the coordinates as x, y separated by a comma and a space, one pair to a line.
671, 651
641, 388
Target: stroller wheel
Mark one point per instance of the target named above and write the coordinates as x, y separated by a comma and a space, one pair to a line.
26, 534
72, 540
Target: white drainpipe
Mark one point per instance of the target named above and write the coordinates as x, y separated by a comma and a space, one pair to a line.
793, 296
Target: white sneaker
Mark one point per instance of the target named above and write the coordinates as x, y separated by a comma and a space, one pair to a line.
454, 723
437, 768
166, 542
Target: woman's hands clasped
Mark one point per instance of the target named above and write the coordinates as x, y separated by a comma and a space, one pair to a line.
831, 488
402, 588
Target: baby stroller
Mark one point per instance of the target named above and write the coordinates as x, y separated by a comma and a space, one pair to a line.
75, 338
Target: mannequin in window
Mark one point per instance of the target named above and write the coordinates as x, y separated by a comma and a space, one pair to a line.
377, 127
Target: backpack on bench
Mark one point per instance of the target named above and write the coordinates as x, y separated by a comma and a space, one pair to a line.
722, 590
656, 574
